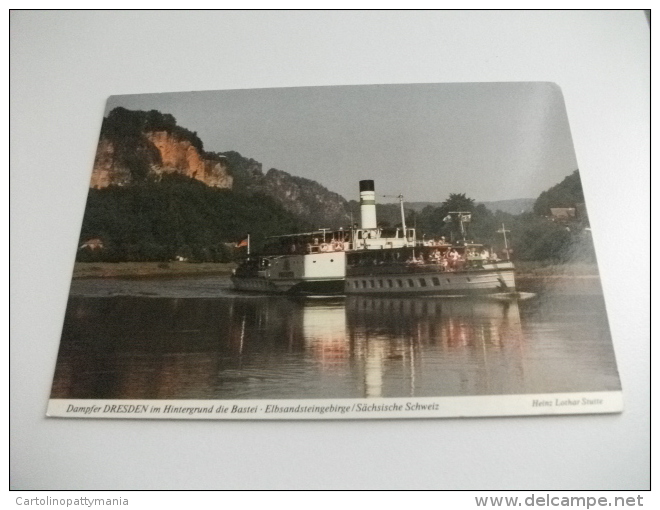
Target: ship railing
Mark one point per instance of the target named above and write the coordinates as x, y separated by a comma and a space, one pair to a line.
328, 247
415, 268
393, 269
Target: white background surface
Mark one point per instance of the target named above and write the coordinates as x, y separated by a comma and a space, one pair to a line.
65, 64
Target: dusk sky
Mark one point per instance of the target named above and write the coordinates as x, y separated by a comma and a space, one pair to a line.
492, 141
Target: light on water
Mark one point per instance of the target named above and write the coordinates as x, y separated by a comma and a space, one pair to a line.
195, 339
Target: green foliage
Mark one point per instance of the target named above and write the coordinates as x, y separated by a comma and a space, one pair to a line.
182, 217
387, 214
535, 238
458, 202
568, 193
178, 216
532, 236
122, 124
244, 170
127, 130
438, 221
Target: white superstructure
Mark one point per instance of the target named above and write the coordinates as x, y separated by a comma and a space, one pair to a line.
373, 260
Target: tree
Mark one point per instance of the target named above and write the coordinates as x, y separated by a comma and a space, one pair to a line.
458, 202
178, 215
568, 193
439, 221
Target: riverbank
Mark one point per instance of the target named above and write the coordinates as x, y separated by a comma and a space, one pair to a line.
575, 278
534, 269
524, 270
149, 269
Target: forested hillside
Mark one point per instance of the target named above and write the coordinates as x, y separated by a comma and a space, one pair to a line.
158, 195
534, 235
178, 217
568, 193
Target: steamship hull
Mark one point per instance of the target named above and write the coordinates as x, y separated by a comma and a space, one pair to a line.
493, 278
283, 286
306, 274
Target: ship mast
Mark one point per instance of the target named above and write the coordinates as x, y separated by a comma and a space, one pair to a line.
503, 231
403, 214
463, 217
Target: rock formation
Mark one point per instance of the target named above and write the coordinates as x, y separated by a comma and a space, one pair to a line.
304, 197
162, 153
136, 146
180, 156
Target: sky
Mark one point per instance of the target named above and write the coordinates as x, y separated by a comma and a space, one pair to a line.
491, 141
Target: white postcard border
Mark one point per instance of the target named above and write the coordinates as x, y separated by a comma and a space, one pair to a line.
331, 409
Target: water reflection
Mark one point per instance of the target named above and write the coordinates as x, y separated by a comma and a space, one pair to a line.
275, 347
431, 346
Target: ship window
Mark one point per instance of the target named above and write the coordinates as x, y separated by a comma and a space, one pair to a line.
436, 281
411, 283
399, 283
390, 283
356, 284
422, 282
364, 284
380, 283
371, 282
332, 260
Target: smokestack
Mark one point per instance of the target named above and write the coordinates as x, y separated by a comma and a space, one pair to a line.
367, 204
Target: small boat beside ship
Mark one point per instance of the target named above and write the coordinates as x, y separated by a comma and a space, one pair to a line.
373, 260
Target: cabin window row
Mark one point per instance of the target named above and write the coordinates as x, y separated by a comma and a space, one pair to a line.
398, 283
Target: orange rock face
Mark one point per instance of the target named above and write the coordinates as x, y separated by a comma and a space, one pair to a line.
178, 156
105, 171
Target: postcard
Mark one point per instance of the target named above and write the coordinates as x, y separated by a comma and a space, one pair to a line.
341, 252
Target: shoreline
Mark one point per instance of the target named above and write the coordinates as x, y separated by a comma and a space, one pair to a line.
82, 270
533, 270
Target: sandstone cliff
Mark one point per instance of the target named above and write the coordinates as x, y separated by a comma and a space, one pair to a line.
107, 170
162, 153
137, 145
305, 198
180, 156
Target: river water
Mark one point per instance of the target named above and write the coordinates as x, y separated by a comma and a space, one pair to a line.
195, 338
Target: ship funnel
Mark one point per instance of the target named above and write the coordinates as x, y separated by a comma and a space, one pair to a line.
367, 204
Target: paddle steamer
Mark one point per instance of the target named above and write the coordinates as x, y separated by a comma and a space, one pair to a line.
374, 260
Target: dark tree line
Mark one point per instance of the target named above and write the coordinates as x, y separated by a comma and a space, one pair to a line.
532, 236
177, 217
568, 193
122, 124
181, 217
